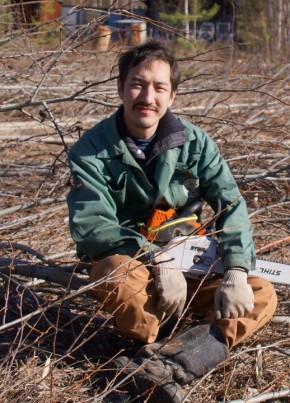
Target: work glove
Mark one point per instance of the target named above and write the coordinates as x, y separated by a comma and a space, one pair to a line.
234, 297
171, 285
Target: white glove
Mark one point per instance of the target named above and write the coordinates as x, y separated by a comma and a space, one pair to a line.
171, 285
234, 297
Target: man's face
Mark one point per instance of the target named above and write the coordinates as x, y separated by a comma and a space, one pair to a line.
146, 95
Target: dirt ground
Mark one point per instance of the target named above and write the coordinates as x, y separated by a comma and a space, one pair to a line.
55, 341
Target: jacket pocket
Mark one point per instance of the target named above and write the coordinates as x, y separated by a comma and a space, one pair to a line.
118, 189
184, 185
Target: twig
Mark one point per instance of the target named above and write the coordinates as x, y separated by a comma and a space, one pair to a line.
282, 351
259, 365
36, 300
273, 245
56, 275
56, 126
25, 206
264, 396
267, 208
28, 218
281, 319
24, 248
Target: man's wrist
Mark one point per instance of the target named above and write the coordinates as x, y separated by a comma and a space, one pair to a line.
235, 275
238, 268
166, 264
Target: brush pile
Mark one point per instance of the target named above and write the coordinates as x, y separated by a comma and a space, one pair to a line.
54, 337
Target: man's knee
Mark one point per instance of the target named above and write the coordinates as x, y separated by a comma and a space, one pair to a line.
263, 290
111, 265
265, 296
108, 273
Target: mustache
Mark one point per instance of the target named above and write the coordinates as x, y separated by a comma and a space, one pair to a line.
142, 104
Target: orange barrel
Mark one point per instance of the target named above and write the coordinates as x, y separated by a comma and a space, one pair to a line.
49, 10
104, 38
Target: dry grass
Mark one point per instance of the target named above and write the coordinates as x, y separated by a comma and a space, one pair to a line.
58, 354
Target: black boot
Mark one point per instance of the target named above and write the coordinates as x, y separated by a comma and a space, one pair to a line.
159, 369
143, 381
190, 353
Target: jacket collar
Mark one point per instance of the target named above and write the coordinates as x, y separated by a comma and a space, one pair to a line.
170, 133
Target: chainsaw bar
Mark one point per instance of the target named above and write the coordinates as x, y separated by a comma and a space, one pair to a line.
198, 255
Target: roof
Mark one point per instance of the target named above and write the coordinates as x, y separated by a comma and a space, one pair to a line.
105, 4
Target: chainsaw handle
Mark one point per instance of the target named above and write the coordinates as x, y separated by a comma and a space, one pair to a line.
190, 209
196, 207
217, 207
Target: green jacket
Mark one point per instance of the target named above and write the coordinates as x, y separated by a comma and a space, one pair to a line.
111, 193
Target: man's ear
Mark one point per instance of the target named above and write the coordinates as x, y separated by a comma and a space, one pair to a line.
172, 96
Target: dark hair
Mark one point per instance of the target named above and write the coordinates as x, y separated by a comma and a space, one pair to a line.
149, 51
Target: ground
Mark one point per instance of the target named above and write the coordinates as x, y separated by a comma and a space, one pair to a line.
48, 99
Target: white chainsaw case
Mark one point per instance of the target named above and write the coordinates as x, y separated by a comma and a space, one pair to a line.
195, 255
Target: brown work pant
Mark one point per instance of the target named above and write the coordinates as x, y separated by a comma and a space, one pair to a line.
126, 289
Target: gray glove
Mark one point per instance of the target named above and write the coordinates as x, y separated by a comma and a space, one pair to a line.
171, 285
234, 297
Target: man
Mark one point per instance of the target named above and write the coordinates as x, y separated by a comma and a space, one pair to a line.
139, 159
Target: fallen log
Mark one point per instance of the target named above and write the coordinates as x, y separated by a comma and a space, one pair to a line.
61, 275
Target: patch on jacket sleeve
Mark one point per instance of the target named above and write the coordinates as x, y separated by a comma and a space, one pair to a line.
76, 182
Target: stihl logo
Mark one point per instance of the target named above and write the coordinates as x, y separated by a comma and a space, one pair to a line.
198, 249
269, 271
